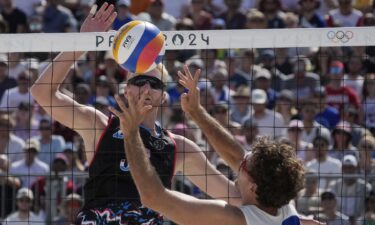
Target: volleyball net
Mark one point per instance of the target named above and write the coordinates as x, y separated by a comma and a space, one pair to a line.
309, 88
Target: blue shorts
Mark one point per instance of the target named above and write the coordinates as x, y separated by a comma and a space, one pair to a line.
124, 213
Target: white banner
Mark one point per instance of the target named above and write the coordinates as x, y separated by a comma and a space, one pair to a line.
205, 39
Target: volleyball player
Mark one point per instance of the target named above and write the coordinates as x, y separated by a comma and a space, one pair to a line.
269, 177
110, 194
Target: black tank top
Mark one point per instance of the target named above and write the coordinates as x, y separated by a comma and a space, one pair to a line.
110, 180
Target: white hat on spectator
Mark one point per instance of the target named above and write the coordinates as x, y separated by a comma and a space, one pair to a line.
4, 59
350, 160
25, 193
258, 96
263, 73
126, 3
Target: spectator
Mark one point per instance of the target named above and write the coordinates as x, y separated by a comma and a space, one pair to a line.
103, 89
30, 164
70, 209
352, 190
49, 144
13, 97
82, 93
10, 145
123, 14
308, 200
244, 75
285, 105
6, 82
209, 61
16, 18
26, 125
350, 114
327, 115
368, 102
28, 7
301, 82
309, 17
342, 141
272, 123
202, 20
330, 214
345, 15
268, 61
233, 17
369, 215
338, 94
157, 16
255, 19
178, 9
354, 78
16, 66
311, 127
8, 187
323, 163
221, 114
250, 131
101, 103
220, 90
366, 149
272, 11
57, 18
24, 215
262, 80
241, 104
303, 149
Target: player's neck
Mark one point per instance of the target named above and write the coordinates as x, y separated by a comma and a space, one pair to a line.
270, 210
149, 123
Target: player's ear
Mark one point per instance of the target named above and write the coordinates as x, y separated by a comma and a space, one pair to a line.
164, 97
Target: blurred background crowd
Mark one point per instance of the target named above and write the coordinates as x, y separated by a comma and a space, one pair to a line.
321, 101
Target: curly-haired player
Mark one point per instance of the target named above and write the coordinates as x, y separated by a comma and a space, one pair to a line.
269, 177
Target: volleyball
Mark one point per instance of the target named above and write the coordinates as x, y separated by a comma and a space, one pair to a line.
138, 46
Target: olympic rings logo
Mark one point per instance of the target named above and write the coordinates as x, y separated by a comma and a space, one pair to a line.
340, 36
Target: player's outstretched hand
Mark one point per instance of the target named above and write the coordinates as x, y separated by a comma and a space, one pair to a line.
99, 21
133, 115
190, 102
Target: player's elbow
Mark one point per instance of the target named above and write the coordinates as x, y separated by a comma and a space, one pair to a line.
152, 198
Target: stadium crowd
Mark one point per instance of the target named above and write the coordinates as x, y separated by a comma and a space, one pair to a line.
321, 101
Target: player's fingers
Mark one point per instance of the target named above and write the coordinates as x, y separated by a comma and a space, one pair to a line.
115, 111
197, 76
145, 109
183, 83
107, 12
110, 20
92, 11
181, 75
100, 12
187, 72
120, 103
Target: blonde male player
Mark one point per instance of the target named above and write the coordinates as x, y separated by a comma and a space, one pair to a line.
110, 194
268, 178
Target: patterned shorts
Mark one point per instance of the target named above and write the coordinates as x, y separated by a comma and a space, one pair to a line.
125, 213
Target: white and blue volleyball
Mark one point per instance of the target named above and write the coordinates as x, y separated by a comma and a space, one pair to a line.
138, 46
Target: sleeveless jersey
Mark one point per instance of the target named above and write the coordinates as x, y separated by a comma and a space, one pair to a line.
110, 181
286, 215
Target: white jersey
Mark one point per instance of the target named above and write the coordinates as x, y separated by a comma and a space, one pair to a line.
286, 215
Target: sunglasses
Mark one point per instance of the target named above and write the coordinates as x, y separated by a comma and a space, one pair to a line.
142, 80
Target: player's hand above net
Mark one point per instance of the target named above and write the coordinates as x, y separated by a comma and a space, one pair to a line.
99, 21
190, 102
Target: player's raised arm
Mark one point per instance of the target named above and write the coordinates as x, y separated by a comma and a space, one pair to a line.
221, 140
46, 89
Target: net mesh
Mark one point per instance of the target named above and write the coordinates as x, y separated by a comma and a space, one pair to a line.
309, 88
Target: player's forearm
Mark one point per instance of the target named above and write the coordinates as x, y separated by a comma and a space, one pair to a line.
144, 175
50, 79
221, 140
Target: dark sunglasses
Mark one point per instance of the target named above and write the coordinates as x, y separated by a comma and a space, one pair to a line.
141, 80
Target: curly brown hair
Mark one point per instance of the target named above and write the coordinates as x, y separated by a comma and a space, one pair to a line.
277, 172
